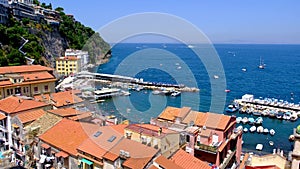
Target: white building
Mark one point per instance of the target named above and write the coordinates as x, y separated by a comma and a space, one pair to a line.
28, 2
82, 55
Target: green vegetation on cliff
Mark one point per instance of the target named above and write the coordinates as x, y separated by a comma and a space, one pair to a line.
47, 41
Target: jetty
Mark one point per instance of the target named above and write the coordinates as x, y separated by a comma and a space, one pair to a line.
125, 81
270, 103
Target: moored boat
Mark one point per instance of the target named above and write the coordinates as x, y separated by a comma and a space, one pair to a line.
272, 132
271, 143
245, 130
256, 113
294, 117
272, 114
287, 116
252, 129
279, 115
238, 119
266, 131
260, 129
259, 121
251, 120
232, 108
175, 94
245, 120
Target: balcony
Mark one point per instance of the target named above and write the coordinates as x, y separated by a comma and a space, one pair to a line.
227, 159
206, 148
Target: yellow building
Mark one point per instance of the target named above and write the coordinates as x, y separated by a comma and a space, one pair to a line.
68, 65
163, 139
26, 80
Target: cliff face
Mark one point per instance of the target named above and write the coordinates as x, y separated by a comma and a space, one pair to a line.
46, 42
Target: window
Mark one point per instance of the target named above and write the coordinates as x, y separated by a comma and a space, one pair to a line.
112, 138
187, 138
36, 89
46, 88
15, 80
27, 89
7, 91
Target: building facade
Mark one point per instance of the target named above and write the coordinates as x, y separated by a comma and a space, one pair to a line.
4, 11
26, 80
82, 55
208, 136
68, 65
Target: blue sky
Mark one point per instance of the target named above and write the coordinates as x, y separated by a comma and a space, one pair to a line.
230, 21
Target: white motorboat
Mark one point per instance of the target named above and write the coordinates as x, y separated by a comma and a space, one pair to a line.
252, 129
272, 132
238, 119
245, 120
240, 127
175, 94
259, 129
259, 147
245, 130
271, 143
266, 131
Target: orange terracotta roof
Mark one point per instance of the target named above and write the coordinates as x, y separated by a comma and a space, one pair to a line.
68, 58
212, 120
81, 116
5, 82
30, 82
262, 167
37, 76
61, 154
31, 115
188, 161
140, 154
165, 163
136, 163
100, 141
13, 104
149, 129
61, 98
169, 113
192, 116
2, 116
65, 112
89, 146
23, 69
111, 156
152, 167
44, 145
67, 135
119, 128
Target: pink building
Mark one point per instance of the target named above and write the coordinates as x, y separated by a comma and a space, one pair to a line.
209, 136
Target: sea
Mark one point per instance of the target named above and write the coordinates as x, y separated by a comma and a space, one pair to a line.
235, 68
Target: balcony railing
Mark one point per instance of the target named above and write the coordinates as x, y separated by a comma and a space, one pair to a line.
227, 159
206, 148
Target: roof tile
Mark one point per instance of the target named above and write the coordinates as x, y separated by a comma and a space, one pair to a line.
31, 115
188, 161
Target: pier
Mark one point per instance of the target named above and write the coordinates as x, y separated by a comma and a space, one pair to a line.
125, 81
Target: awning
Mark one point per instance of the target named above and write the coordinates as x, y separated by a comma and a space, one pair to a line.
46, 146
2, 116
88, 162
61, 154
15, 125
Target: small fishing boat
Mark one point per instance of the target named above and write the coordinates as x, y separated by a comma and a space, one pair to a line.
227, 90
261, 64
291, 138
175, 94
256, 113
265, 112
287, 116
238, 119
245, 130
244, 69
216, 77
156, 92
252, 129
259, 147
243, 110
279, 115
266, 131
249, 110
259, 129
240, 127
294, 117
232, 108
271, 143
245, 120
272, 114
272, 132
259, 121
251, 120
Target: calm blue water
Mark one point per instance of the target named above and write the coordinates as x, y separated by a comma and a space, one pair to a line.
278, 80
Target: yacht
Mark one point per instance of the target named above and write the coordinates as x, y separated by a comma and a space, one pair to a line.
261, 64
